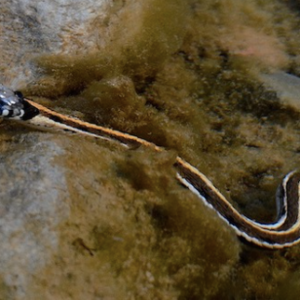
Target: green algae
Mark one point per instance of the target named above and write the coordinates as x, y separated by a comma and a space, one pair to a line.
182, 74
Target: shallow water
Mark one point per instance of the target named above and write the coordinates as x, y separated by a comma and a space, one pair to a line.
185, 75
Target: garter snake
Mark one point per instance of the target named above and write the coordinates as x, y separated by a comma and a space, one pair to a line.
284, 232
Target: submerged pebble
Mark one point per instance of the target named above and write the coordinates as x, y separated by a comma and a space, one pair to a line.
287, 87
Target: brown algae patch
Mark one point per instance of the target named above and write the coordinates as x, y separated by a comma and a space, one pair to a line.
144, 36
130, 235
252, 31
190, 86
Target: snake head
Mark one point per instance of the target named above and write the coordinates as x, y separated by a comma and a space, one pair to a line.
14, 106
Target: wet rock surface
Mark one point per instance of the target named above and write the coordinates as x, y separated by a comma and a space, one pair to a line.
286, 86
34, 27
33, 202
186, 75
77, 221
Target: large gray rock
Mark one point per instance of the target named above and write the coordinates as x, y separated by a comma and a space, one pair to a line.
33, 202
31, 28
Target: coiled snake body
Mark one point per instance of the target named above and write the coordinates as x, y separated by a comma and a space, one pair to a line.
284, 232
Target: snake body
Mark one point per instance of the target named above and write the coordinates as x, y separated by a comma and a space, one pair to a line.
284, 232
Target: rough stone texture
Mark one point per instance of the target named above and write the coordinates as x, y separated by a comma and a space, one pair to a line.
286, 86
33, 202
96, 222
30, 28
184, 74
